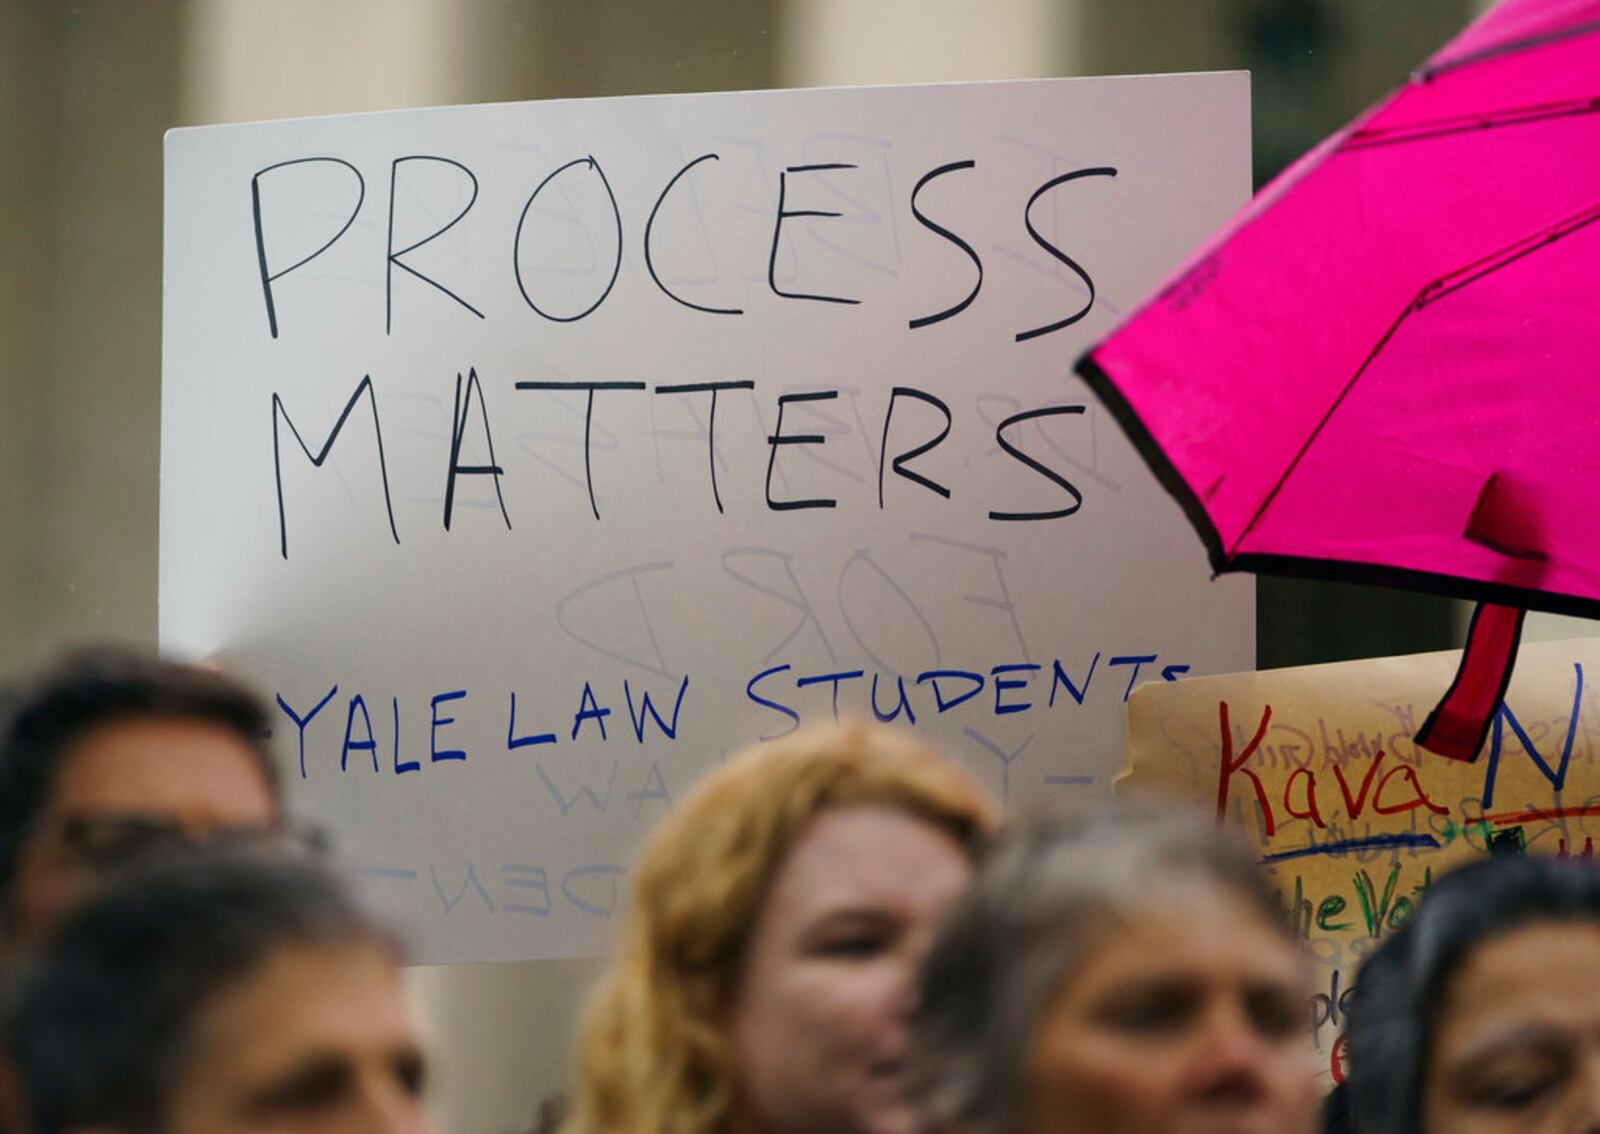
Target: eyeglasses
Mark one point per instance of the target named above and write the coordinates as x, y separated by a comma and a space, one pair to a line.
108, 843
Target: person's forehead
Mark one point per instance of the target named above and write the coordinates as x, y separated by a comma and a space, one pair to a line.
1204, 933
330, 998
868, 852
1546, 973
160, 765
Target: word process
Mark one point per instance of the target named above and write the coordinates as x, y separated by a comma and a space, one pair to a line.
327, 185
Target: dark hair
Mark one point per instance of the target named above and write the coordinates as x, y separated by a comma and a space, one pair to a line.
1393, 1011
47, 714
97, 1025
1047, 895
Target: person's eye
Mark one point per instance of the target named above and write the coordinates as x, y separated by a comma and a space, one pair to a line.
411, 1070
319, 1087
1152, 1010
1513, 1094
854, 935
858, 944
1512, 1088
1276, 1014
114, 843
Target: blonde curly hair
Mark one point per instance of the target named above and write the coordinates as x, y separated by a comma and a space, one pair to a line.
652, 1055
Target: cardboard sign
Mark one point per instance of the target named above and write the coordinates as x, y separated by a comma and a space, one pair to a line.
1316, 766
534, 457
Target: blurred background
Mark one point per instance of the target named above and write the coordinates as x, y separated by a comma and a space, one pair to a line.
87, 88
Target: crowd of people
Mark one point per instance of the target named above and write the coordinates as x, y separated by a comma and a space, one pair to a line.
832, 934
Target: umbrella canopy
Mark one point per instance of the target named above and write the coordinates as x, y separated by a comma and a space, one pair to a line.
1387, 367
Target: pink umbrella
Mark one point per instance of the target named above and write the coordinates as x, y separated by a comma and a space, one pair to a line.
1387, 367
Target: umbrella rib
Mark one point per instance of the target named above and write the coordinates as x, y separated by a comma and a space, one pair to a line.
1506, 256
1431, 293
1510, 47
1469, 123
1377, 348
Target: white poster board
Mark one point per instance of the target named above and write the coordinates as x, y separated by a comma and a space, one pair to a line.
443, 470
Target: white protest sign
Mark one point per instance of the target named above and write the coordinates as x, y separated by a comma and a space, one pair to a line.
533, 457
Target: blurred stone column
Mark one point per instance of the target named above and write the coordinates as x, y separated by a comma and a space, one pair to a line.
849, 42
27, 122
85, 92
247, 60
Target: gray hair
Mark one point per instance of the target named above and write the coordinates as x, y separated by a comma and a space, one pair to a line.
1047, 895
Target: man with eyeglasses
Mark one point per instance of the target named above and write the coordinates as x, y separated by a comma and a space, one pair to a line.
112, 757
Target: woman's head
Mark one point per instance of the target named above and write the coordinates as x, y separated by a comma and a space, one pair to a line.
1482, 1014
1127, 971
776, 917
